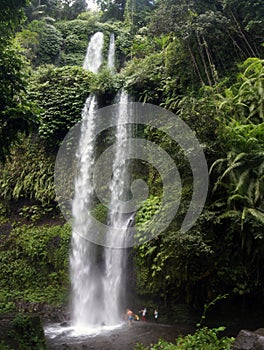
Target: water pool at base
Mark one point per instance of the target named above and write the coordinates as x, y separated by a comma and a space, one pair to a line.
57, 330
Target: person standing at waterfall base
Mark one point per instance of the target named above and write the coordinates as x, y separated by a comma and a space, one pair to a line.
129, 316
156, 315
144, 314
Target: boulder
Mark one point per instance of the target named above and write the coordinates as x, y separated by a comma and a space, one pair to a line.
247, 340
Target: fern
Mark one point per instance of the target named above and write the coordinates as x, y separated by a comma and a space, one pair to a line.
231, 168
242, 180
29, 174
257, 214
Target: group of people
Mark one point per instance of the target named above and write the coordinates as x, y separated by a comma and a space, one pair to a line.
131, 315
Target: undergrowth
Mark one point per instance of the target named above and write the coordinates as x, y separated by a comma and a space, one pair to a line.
204, 338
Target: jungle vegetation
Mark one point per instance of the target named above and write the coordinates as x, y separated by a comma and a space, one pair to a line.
202, 60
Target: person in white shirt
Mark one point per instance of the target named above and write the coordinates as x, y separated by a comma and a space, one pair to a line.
156, 315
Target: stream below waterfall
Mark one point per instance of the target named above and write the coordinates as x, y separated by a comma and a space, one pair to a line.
120, 337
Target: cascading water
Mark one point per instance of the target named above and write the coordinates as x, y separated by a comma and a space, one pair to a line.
111, 53
94, 58
97, 285
115, 258
85, 277
97, 273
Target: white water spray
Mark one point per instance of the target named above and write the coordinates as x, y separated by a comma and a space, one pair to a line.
85, 275
111, 53
97, 276
115, 259
94, 59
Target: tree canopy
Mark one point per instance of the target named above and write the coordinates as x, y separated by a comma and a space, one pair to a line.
16, 114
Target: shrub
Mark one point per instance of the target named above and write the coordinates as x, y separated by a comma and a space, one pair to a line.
202, 339
49, 42
29, 174
61, 93
34, 263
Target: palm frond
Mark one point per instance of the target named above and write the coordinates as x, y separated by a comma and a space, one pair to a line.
257, 214
218, 161
242, 180
229, 214
251, 192
257, 193
261, 169
235, 197
230, 168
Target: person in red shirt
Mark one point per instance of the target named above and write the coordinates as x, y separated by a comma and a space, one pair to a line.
144, 314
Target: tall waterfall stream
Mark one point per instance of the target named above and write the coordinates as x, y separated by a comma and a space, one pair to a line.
97, 299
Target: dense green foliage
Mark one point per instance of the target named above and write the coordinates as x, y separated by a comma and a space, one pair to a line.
203, 61
29, 174
55, 9
61, 93
49, 42
202, 339
23, 332
197, 264
239, 184
16, 113
27, 332
34, 265
11, 15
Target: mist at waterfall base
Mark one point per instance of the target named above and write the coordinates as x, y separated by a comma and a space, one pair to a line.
97, 284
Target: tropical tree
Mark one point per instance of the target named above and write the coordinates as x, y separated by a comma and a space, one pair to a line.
239, 183
112, 9
16, 113
49, 43
247, 20
136, 13
71, 9
213, 39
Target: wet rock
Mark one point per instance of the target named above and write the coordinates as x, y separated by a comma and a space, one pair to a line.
48, 313
247, 340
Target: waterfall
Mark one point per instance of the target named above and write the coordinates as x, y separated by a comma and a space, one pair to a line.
84, 272
115, 258
97, 275
94, 59
111, 53
85, 277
